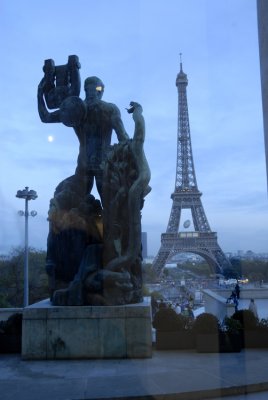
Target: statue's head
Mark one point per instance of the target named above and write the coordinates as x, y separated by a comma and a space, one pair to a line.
94, 88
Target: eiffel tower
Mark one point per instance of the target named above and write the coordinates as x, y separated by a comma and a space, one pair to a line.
200, 240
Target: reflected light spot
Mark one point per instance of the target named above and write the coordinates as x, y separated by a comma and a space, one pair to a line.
50, 138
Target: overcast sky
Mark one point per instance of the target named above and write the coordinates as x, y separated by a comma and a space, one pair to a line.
134, 46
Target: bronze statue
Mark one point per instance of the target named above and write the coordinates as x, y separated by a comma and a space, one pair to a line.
94, 246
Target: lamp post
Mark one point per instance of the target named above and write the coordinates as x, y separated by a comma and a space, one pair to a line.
27, 195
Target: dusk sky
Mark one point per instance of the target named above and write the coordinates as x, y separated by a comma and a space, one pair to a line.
134, 46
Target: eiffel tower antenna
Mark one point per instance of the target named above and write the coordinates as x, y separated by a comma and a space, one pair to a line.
181, 60
186, 196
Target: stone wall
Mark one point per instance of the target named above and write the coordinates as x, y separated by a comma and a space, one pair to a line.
5, 313
215, 300
81, 332
215, 303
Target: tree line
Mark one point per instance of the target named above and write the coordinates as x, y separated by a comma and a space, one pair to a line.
12, 274
12, 277
254, 270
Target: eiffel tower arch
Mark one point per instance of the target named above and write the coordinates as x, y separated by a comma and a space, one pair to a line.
186, 196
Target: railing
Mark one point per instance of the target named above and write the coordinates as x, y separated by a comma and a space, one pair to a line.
194, 234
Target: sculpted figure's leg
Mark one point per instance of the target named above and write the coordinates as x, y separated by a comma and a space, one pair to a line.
51, 263
86, 179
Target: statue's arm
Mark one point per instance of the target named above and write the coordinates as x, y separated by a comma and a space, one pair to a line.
118, 125
44, 114
136, 111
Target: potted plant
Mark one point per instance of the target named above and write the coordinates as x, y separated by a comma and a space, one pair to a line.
230, 335
250, 331
206, 330
173, 331
262, 335
10, 334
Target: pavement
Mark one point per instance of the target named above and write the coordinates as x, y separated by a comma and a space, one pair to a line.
168, 375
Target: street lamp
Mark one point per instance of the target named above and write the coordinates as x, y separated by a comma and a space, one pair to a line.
27, 195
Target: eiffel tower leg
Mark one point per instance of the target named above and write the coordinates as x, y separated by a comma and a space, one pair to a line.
160, 260
212, 261
222, 260
216, 258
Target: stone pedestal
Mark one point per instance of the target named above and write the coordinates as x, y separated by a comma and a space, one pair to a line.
53, 332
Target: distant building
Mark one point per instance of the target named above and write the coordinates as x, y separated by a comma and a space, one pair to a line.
148, 260
229, 254
144, 244
250, 255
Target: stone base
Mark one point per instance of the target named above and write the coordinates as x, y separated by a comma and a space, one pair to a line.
54, 332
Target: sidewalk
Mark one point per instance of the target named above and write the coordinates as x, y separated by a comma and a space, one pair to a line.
167, 375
